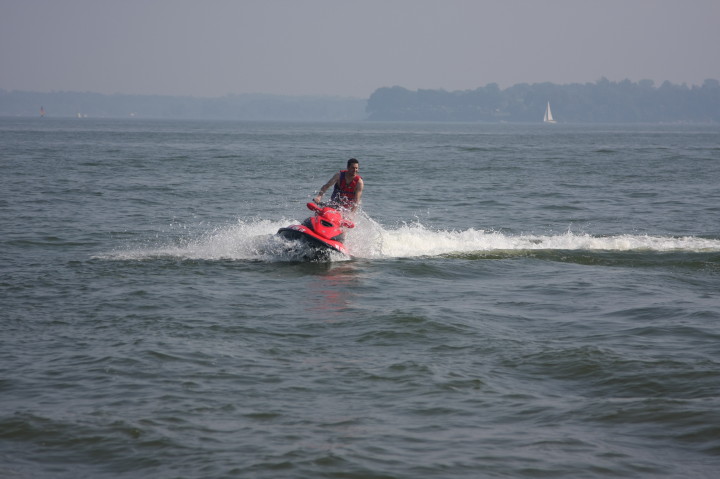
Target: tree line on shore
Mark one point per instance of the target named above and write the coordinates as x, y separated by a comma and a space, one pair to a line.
603, 101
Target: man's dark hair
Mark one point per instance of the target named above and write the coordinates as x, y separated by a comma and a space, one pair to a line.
351, 161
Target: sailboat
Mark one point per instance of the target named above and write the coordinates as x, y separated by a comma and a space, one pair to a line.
42, 111
548, 115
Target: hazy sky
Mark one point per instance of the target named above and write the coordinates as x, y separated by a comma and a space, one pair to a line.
349, 47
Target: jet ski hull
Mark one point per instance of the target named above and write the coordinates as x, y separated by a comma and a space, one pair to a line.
318, 248
321, 234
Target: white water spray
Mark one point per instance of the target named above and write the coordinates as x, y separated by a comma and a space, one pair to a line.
255, 240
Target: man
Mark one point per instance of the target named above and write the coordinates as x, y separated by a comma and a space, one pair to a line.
348, 187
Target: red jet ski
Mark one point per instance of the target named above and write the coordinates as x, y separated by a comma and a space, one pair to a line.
322, 233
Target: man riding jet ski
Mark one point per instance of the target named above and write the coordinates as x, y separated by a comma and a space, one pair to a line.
323, 232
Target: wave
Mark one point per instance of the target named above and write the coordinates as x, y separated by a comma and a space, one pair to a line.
416, 240
255, 240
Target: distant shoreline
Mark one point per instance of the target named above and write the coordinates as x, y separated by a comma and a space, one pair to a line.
600, 102
231, 107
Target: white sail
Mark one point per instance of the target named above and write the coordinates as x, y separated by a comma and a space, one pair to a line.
548, 115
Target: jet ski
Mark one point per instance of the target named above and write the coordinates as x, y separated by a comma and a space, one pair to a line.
321, 234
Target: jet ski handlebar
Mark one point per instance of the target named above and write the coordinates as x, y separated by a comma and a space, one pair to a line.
345, 223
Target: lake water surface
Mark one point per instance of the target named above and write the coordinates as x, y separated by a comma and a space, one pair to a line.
524, 301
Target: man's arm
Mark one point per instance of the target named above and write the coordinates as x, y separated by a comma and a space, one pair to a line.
327, 185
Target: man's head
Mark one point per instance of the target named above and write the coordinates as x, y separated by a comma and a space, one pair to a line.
353, 165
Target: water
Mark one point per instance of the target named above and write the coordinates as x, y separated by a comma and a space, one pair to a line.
525, 301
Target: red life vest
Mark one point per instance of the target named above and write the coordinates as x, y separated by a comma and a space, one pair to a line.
344, 192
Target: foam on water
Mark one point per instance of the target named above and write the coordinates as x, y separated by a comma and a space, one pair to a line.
245, 240
256, 240
417, 240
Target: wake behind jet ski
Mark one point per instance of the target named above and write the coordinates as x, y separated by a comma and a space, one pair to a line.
320, 234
